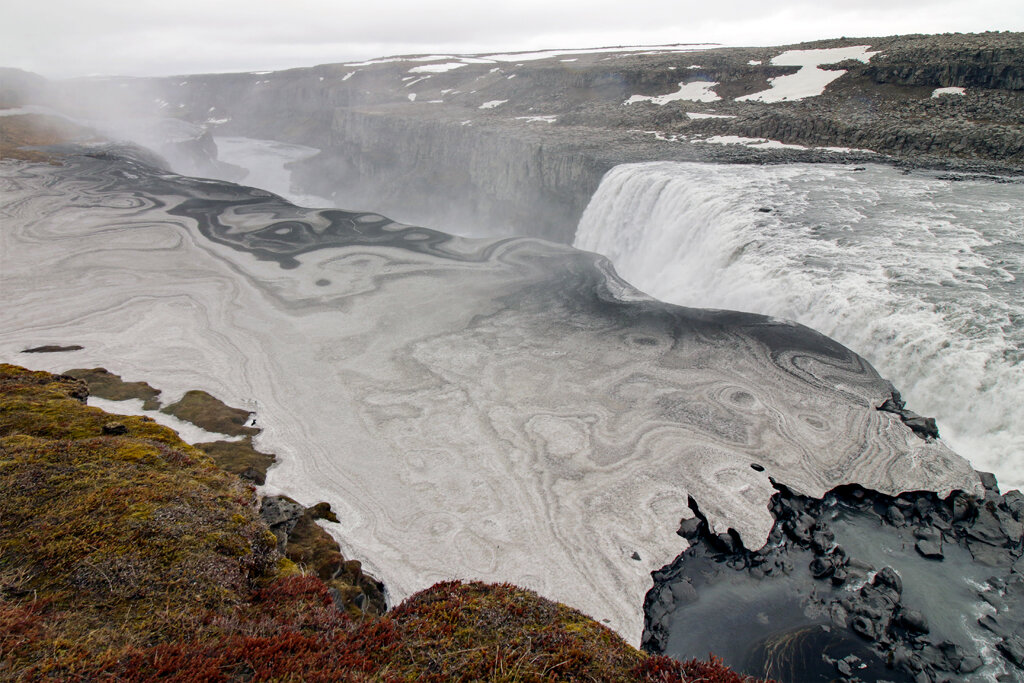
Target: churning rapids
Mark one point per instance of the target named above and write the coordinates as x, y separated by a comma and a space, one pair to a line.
504, 410
922, 275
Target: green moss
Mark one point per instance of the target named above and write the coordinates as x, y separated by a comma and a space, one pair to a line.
107, 385
239, 457
203, 410
113, 530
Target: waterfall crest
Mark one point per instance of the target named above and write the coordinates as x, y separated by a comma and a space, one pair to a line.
921, 275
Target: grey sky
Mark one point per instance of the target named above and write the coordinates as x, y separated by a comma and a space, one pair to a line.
157, 37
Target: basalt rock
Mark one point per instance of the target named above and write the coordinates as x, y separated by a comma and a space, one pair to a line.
872, 603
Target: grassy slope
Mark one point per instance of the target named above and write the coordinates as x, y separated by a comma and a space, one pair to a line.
127, 554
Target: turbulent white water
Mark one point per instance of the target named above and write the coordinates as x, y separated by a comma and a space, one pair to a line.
922, 275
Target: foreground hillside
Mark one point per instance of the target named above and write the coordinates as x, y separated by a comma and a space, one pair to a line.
127, 554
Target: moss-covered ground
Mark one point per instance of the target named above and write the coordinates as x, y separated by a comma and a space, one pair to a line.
126, 554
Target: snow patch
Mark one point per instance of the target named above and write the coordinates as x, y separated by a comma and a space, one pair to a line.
545, 119
544, 54
492, 104
809, 81
702, 115
411, 96
697, 91
347, 76
436, 68
939, 92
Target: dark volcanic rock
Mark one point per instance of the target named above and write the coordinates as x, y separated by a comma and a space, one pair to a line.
807, 575
53, 348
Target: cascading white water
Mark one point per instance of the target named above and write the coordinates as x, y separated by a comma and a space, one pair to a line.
920, 274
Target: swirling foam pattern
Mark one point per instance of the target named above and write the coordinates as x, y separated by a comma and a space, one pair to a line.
499, 410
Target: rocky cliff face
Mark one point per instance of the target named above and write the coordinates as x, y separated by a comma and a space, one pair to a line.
517, 143
460, 177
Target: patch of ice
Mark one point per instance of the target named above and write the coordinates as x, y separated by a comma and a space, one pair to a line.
546, 119
492, 104
701, 115
939, 92
697, 91
754, 62
574, 59
436, 68
809, 81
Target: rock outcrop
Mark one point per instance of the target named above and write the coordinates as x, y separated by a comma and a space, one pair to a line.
827, 553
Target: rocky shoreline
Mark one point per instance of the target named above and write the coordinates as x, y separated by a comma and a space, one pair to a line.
126, 554
848, 617
299, 538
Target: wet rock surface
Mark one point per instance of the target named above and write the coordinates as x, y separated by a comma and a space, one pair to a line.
857, 586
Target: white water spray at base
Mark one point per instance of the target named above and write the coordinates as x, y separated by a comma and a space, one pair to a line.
922, 275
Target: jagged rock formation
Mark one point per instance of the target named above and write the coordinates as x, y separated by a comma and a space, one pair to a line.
862, 573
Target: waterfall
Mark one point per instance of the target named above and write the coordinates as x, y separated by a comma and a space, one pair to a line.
920, 274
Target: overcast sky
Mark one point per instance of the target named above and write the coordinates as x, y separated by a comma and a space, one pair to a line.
60, 38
